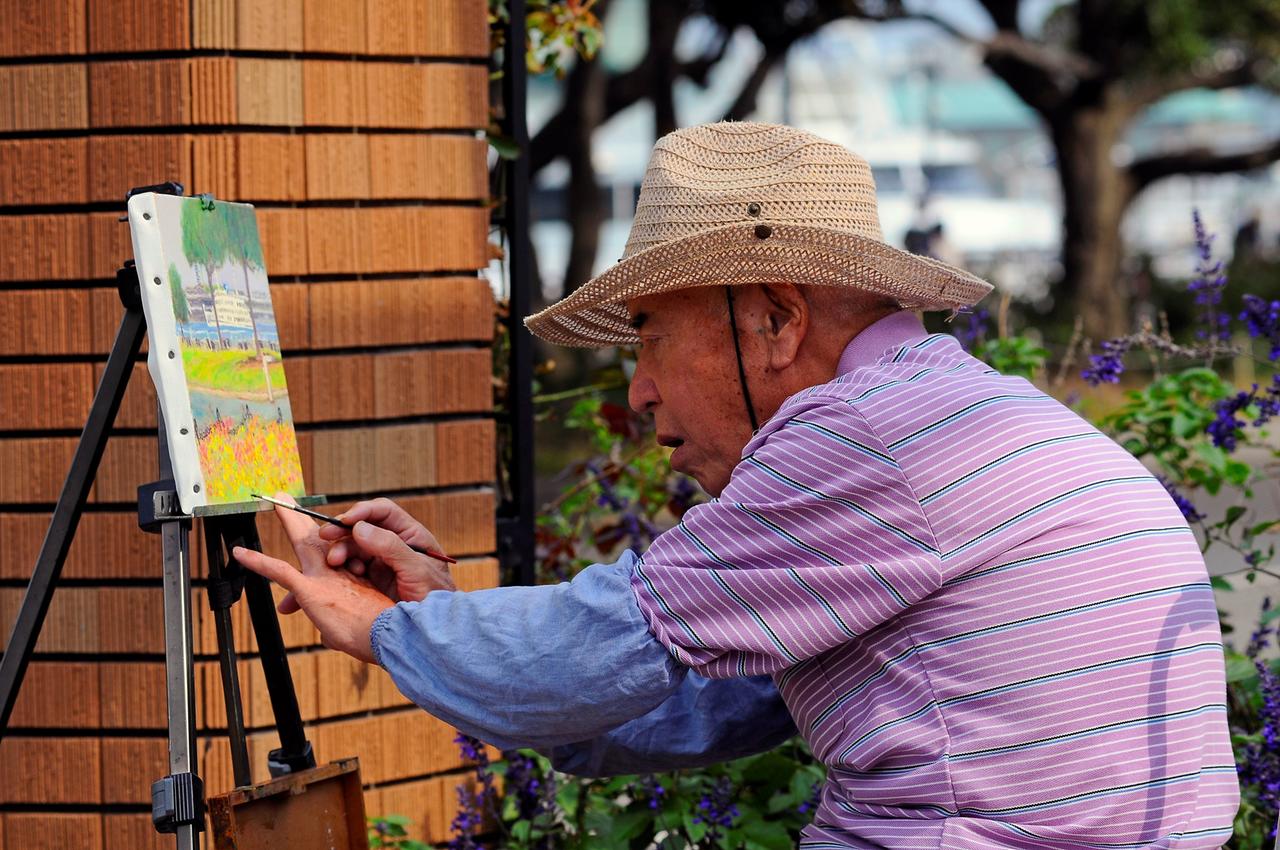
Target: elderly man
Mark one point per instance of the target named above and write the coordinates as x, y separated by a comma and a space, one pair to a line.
990, 623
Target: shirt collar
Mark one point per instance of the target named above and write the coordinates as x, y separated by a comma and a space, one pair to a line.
893, 331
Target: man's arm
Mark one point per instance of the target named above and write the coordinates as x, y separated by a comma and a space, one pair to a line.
537, 666
531, 666
705, 721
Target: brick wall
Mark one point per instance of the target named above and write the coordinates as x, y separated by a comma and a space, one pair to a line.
351, 125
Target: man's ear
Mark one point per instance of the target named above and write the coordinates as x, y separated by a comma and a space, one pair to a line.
786, 322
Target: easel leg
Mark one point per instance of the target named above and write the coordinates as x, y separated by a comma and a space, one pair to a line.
75, 491
295, 751
225, 586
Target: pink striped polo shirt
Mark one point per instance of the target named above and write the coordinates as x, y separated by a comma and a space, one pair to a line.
989, 621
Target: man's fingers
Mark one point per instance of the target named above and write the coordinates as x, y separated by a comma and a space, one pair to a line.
339, 553
383, 543
333, 532
273, 569
289, 604
303, 533
381, 512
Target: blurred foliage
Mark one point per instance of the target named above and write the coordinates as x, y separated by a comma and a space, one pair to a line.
390, 832
557, 32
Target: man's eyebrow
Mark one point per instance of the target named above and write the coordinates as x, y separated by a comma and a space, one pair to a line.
638, 320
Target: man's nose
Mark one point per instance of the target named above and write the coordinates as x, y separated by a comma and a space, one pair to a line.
642, 394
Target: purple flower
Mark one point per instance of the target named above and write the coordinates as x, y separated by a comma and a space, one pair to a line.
1225, 426
608, 498
716, 808
1262, 634
466, 821
534, 793
1106, 368
1189, 512
1227, 423
1262, 318
651, 788
1207, 286
472, 806
1260, 762
971, 331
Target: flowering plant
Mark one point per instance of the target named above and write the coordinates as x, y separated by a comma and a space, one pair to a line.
758, 803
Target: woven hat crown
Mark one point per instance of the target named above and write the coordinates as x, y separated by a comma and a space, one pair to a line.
714, 175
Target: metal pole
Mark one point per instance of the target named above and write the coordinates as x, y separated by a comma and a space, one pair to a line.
75, 491
179, 653
518, 524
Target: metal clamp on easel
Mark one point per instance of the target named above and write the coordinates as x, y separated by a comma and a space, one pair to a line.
178, 802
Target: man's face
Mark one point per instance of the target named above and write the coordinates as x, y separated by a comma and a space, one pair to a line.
687, 377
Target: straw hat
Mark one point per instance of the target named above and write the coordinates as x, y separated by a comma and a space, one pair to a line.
741, 202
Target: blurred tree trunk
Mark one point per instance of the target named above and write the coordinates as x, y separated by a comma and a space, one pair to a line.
1096, 191
584, 97
665, 18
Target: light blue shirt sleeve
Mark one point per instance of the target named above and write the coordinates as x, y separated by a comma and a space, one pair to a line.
573, 669
705, 721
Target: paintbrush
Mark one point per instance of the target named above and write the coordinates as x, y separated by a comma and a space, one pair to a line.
430, 553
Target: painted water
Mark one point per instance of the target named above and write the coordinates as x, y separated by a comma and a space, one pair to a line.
209, 407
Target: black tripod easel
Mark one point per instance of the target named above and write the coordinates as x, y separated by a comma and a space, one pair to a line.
178, 804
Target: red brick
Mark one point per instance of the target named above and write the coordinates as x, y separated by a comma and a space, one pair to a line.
44, 97
47, 28
53, 831
43, 171
49, 770
124, 26
465, 451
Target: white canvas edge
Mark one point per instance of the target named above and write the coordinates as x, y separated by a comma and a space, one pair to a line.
167, 373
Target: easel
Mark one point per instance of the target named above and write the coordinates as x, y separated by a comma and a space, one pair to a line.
177, 800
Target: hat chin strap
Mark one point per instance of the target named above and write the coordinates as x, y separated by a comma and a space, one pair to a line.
742, 372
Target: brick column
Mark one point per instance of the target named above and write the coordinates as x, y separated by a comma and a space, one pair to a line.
352, 126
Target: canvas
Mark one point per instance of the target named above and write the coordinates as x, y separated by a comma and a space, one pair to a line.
214, 350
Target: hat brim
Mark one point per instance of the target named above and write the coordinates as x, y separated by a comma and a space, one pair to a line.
595, 315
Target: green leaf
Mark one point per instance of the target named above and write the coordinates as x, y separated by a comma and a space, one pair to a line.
628, 825
767, 835
695, 831
505, 146
1233, 513
1240, 669
1220, 583
768, 772
1263, 527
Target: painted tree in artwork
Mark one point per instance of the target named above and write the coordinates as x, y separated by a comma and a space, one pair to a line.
181, 309
204, 241
244, 247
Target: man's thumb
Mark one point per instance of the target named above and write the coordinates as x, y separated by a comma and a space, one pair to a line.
381, 542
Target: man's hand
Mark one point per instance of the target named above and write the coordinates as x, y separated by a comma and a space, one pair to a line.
342, 606
378, 549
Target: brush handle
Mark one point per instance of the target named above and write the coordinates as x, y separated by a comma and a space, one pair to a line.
430, 553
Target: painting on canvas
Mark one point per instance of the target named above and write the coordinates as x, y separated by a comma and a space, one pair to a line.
210, 312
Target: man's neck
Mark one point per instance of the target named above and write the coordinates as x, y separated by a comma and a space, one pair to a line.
892, 331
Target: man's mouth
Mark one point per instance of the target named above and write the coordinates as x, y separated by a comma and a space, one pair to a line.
669, 441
